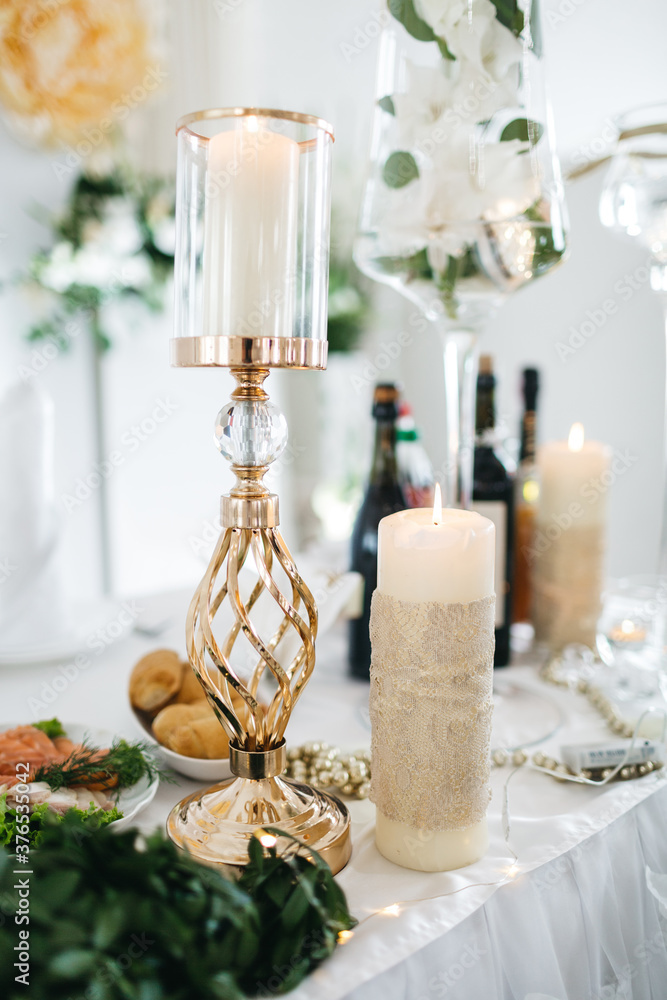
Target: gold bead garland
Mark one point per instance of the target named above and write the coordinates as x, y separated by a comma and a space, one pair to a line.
551, 674
324, 766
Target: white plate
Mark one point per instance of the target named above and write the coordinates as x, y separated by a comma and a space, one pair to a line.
88, 618
131, 800
522, 716
199, 768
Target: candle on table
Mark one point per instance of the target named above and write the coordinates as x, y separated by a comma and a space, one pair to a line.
432, 631
568, 549
250, 233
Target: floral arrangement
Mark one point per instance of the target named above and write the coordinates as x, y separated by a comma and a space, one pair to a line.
68, 65
114, 240
465, 160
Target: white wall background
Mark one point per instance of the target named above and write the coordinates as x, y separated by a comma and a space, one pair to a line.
603, 57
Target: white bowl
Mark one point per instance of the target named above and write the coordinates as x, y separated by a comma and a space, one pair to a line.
199, 768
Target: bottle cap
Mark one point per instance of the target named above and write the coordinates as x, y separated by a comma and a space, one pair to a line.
385, 401
407, 434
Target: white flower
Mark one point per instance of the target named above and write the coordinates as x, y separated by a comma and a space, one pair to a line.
463, 186
473, 32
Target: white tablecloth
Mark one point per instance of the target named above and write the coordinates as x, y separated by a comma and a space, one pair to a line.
573, 918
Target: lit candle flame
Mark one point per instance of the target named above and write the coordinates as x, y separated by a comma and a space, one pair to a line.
437, 504
575, 441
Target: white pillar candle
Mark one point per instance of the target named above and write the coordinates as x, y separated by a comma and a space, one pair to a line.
568, 550
446, 557
250, 233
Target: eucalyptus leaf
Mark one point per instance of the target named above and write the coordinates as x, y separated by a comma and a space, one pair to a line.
399, 169
536, 28
387, 104
404, 11
510, 14
524, 129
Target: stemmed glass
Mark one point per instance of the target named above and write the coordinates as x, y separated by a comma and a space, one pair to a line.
634, 204
463, 202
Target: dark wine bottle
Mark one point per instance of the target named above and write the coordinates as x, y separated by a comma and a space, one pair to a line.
493, 496
383, 496
526, 496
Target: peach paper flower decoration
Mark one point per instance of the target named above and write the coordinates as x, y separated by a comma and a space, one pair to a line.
66, 65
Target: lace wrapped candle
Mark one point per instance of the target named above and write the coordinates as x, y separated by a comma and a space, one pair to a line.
432, 636
568, 549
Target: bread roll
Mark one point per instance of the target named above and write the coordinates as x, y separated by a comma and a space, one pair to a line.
201, 738
155, 680
192, 730
191, 690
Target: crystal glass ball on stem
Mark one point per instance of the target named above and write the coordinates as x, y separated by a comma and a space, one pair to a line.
463, 203
251, 270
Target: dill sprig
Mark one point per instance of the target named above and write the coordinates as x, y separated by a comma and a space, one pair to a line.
119, 767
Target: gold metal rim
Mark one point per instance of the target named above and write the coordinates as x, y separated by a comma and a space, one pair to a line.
249, 512
251, 352
257, 764
210, 114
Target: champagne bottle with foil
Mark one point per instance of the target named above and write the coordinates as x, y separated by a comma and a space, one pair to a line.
493, 496
383, 496
526, 496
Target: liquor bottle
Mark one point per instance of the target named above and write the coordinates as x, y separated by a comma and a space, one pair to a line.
526, 496
383, 496
415, 472
493, 496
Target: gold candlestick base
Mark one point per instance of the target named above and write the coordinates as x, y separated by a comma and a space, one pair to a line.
217, 824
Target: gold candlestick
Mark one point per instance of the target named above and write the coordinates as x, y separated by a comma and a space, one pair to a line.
231, 658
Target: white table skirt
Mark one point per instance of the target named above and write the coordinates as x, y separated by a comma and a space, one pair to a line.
573, 919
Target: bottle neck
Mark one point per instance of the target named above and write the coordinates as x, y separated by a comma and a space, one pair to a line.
384, 469
528, 437
485, 414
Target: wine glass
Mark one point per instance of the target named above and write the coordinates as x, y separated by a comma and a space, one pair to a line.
633, 204
463, 203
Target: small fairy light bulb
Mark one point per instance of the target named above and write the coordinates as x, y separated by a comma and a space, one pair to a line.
251, 123
266, 839
391, 911
575, 441
344, 937
437, 504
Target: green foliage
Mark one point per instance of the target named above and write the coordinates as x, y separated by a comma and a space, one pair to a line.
510, 14
399, 169
114, 918
121, 766
52, 727
83, 222
410, 268
387, 104
41, 817
349, 305
404, 11
523, 129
